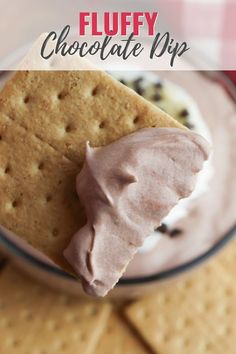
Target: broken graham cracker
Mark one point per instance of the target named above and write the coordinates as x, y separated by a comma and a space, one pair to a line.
195, 315
118, 338
37, 320
66, 109
37, 188
50, 116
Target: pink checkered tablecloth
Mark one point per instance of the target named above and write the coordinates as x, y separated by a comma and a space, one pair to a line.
209, 25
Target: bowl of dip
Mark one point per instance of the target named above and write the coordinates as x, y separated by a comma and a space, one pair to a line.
198, 227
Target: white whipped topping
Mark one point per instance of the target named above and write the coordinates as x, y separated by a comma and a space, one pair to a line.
175, 98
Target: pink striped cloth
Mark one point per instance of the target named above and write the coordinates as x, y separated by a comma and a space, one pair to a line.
208, 25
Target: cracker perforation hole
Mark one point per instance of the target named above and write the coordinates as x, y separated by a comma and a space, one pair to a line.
15, 203
68, 128
70, 316
83, 337
188, 282
165, 299
26, 99
186, 342
15, 343
166, 337
63, 299
40, 351
2, 305
37, 136
102, 125
28, 316
9, 324
48, 198
52, 325
228, 292
24, 127
136, 120
7, 169
94, 91
55, 232
41, 166
0, 137
63, 345
62, 95
91, 311
187, 322
208, 346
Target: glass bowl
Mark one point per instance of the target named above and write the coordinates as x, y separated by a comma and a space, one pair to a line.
41, 269
126, 287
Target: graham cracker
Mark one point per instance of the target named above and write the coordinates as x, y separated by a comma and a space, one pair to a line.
227, 260
197, 315
36, 320
118, 338
45, 120
65, 109
37, 188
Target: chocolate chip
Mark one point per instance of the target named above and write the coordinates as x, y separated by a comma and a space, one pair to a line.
189, 125
156, 97
139, 90
137, 87
159, 85
123, 82
138, 80
184, 113
162, 228
175, 232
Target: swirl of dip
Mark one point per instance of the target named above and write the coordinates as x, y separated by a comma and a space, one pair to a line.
127, 188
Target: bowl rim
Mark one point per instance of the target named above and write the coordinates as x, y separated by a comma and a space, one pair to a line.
158, 276
12, 247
